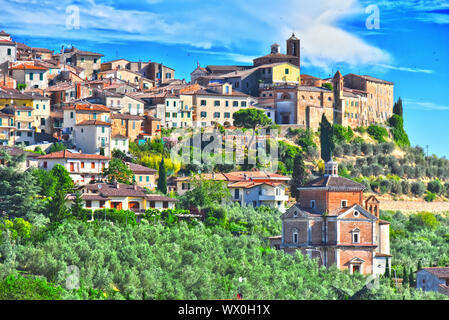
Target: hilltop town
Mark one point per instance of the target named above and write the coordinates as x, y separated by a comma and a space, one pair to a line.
110, 127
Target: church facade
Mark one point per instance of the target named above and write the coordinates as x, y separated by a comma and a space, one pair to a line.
332, 222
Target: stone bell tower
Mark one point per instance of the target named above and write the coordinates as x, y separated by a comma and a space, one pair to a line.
293, 49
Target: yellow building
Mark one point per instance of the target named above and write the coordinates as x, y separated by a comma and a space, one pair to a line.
284, 72
13, 97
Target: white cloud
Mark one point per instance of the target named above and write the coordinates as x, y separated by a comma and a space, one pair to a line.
415, 104
239, 26
406, 69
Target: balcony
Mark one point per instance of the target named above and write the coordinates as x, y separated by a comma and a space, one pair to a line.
267, 197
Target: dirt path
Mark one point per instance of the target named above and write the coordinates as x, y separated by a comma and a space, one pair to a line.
414, 206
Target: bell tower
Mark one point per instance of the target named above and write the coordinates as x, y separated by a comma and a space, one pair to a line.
331, 169
293, 49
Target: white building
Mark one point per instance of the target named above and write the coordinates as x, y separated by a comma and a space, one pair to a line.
93, 136
8, 48
120, 142
31, 75
83, 168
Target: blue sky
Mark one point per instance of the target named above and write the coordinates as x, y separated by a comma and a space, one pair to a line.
411, 47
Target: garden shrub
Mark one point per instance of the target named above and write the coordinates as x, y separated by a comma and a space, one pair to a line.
367, 148
377, 133
417, 188
435, 187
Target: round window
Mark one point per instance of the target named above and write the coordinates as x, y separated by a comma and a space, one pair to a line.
356, 213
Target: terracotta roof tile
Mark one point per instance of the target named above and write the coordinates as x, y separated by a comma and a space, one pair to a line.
137, 168
66, 154
93, 123
88, 107
335, 184
27, 67
440, 272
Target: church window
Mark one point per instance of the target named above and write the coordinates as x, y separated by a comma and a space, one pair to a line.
295, 236
312, 204
344, 203
355, 235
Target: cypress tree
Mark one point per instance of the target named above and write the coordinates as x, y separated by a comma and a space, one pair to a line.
411, 278
299, 175
405, 279
387, 269
162, 180
77, 205
397, 108
327, 140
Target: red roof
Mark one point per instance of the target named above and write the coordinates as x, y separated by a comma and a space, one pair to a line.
65, 154
88, 107
93, 123
27, 67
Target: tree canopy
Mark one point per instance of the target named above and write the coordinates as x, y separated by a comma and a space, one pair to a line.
118, 171
251, 118
18, 188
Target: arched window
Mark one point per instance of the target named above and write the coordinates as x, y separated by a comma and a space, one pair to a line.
285, 96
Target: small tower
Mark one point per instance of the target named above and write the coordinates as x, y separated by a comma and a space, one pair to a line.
331, 169
339, 106
338, 84
275, 48
293, 49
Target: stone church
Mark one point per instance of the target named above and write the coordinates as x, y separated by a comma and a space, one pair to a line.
332, 222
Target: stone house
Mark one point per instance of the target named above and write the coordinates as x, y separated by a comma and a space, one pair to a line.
433, 279
380, 94
127, 125
332, 223
160, 73
89, 61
